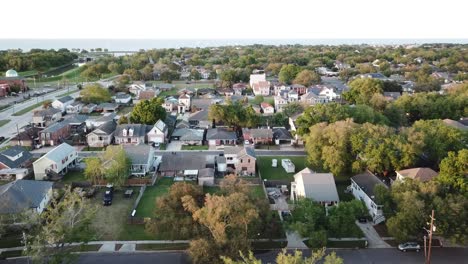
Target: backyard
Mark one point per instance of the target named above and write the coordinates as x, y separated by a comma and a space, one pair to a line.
74, 176
270, 173
147, 206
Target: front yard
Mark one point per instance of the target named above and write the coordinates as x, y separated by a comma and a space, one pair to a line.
195, 147
271, 173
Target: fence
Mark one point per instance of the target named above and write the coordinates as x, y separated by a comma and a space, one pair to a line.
133, 220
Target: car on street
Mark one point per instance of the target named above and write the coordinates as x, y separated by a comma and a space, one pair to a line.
409, 246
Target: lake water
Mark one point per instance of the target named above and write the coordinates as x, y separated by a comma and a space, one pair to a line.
137, 44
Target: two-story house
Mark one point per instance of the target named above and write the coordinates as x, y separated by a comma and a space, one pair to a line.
418, 174
241, 159
362, 187
25, 196
54, 134
131, 134
158, 132
74, 108
103, 135
261, 88
14, 163
62, 103
184, 103
55, 162
46, 117
142, 159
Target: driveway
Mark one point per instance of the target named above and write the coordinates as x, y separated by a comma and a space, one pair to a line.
373, 238
174, 146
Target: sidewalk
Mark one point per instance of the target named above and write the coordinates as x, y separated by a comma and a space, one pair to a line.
373, 238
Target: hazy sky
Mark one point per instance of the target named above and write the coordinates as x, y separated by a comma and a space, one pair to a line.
234, 19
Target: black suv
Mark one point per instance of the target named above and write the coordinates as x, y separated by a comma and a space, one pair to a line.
108, 195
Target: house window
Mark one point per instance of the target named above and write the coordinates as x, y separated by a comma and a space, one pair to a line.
241, 161
248, 160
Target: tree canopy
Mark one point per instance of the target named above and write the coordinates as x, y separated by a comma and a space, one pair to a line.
362, 90
95, 93
148, 111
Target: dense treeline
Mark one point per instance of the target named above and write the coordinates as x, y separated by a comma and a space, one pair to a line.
35, 59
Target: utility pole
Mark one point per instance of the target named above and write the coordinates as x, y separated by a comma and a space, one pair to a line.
431, 230
17, 130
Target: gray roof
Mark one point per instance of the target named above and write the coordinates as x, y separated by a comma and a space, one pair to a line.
46, 112
137, 153
76, 119
202, 103
6, 156
206, 173
183, 124
106, 118
177, 161
258, 132
220, 159
367, 182
55, 127
108, 127
139, 130
58, 153
65, 99
122, 96
200, 115
220, 133
21, 195
188, 134
160, 125
282, 134
319, 187
240, 151
108, 106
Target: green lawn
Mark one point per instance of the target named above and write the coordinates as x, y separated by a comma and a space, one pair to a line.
172, 91
4, 122
74, 176
88, 148
125, 110
30, 108
278, 173
196, 147
27, 73
341, 186
147, 205
134, 232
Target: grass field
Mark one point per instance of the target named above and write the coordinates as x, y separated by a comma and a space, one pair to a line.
30, 108
278, 173
74, 176
203, 147
147, 205
4, 122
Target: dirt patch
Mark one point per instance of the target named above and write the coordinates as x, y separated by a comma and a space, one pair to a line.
382, 230
110, 220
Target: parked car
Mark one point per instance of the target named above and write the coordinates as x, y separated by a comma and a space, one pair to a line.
108, 195
362, 219
409, 246
246, 142
2, 138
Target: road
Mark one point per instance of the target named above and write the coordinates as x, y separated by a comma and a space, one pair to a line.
258, 152
361, 256
9, 130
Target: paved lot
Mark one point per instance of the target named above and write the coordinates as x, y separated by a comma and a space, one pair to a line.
373, 238
174, 146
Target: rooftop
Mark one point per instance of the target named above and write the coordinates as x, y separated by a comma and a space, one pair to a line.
318, 186
367, 182
22, 195
422, 174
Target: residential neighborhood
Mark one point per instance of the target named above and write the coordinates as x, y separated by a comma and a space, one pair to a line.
348, 152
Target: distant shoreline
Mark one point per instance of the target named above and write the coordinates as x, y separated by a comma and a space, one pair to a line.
137, 44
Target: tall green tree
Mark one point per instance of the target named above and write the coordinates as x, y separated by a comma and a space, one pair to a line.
454, 170
116, 165
362, 90
148, 111
288, 72
95, 93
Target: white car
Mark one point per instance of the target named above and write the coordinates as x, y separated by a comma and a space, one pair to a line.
246, 142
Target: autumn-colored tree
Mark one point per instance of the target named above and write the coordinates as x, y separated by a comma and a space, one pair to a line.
95, 93
307, 78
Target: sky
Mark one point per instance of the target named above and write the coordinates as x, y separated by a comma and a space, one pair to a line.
235, 19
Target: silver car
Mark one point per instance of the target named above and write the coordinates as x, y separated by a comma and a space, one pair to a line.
409, 246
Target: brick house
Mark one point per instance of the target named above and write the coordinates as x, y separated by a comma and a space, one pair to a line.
54, 134
258, 135
241, 159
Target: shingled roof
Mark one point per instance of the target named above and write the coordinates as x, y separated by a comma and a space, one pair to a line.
22, 195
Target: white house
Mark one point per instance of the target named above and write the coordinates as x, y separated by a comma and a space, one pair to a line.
261, 88
25, 195
158, 132
136, 88
319, 187
55, 162
362, 187
184, 103
267, 108
62, 103
123, 98
74, 108
102, 136
255, 78
142, 158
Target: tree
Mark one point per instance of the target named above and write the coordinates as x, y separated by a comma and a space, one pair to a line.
362, 90
95, 93
292, 109
93, 170
66, 220
315, 114
116, 165
115, 67
454, 170
148, 111
195, 75
123, 120
47, 104
171, 218
134, 74
308, 217
342, 218
383, 196
307, 78
286, 258
288, 72
258, 99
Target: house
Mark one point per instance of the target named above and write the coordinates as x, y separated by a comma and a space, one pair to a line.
142, 159
122, 98
102, 136
77, 123
27, 138
93, 122
282, 136
164, 86
62, 103
280, 103
298, 88
225, 91
12, 78
46, 117
420, 174
310, 98
324, 93
267, 108
54, 134
362, 187
24, 196
74, 108
221, 136
136, 88
14, 163
261, 88
375, 75
148, 94
391, 96
184, 103
88, 109
319, 187
130, 134
258, 135
55, 162
455, 124
188, 136
158, 132
241, 159
206, 177
255, 78
293, 127
200, 119
107, 107
184, 163
170, 103
239, 88
182, 123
